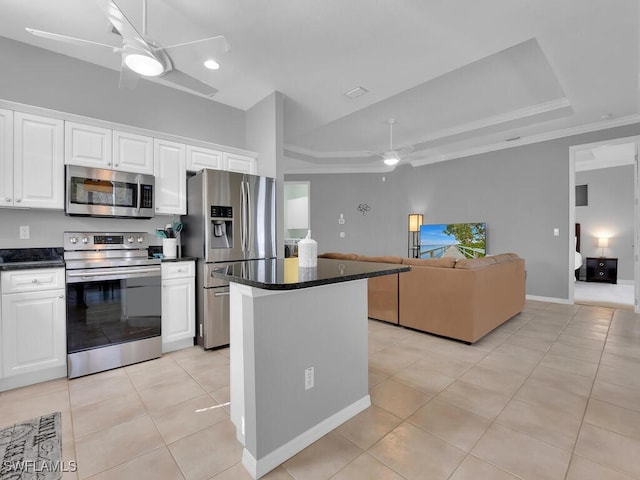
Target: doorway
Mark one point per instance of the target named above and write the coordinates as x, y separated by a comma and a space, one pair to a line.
611, 235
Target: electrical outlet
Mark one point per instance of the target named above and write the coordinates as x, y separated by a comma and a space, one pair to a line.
341, 219
556, 232
24, 232
342, 235
309, 378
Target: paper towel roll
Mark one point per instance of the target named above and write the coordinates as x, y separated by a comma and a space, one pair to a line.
307, 252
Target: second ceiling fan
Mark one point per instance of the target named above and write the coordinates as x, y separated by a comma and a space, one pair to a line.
392, 157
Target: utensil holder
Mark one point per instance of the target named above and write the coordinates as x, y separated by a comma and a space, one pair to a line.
169, 247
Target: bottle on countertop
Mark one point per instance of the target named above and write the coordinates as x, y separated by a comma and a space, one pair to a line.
307, 252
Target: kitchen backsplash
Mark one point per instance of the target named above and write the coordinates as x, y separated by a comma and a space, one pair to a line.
46, 226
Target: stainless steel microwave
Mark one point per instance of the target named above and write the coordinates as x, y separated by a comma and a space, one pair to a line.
108, 193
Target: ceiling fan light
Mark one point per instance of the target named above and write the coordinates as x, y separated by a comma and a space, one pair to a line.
390, 158
211, 64
145, 65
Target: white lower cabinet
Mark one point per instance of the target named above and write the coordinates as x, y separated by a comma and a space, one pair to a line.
178, 305
32, 327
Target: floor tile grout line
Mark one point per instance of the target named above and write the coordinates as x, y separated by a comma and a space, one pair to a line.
493, 421
467, 454
586, 406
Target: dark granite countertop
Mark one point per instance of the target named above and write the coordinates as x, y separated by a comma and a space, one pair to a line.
24, 258
284, 274
179, 259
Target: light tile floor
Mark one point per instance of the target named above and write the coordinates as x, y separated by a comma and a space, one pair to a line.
554, 393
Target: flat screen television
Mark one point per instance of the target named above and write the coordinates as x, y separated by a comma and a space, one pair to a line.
457, 240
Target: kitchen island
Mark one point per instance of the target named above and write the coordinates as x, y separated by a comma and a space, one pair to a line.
299, 352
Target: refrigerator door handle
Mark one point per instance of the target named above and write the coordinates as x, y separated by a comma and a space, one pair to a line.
242, 218
250, 223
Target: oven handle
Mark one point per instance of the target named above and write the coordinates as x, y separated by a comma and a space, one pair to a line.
131, 272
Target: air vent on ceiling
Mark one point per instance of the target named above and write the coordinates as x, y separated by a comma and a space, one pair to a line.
356, 92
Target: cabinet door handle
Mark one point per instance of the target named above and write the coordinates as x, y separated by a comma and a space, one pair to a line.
18, 200
60, 296
35, 280
8, 199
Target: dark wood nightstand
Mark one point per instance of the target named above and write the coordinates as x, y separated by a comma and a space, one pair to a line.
602, 269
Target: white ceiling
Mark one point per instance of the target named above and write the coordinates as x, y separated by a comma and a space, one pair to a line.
458, 77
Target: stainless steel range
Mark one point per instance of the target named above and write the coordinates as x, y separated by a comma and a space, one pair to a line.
113, 301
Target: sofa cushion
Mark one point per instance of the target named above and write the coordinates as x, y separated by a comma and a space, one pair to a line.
445, 262
382, 259
472, 263
505, 257
338, 256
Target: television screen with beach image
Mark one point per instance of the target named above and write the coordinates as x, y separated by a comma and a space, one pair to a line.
457, 240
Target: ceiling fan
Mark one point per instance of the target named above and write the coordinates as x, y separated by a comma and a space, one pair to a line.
391, 156
140, 55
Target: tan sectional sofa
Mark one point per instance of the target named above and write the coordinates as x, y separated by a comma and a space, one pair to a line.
463, 299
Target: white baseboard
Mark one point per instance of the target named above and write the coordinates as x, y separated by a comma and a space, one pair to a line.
25, 379
548, 299
626, 282
177, 345
258, 468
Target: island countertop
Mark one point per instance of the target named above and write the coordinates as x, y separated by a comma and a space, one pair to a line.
284, 273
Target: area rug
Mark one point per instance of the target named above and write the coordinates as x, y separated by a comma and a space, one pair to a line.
31, 450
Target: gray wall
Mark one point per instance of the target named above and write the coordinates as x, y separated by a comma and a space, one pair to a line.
46, 226
41, 78
265, 135
522, 193
609, 213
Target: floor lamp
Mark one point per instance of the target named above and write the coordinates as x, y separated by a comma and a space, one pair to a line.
415, 221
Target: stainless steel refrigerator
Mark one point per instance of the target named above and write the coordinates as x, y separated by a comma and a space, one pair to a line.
230, 217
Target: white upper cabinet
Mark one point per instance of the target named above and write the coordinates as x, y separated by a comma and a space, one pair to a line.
6, 157
132, 152
38, 162
170, 171
235, 162
99, 147
87, 146
199, 158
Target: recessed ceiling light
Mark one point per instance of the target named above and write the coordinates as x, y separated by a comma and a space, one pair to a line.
145, 65
211, 64
355, 92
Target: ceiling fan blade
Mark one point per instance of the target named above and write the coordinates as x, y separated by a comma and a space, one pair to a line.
179, 78
66, 38
374, 153
122, 23
128, 78
227, 47
406, 150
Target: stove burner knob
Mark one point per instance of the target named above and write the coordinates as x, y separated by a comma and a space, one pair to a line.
140, 239
85, 239
73, 240
130, 239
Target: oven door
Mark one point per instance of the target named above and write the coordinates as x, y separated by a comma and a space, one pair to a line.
111, 306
